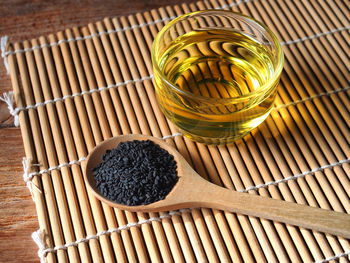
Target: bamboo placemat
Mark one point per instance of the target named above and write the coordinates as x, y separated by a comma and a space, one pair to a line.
81, 86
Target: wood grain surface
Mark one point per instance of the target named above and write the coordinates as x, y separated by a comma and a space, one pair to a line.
20, 20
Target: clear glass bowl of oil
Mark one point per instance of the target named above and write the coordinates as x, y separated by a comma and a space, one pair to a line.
216, 74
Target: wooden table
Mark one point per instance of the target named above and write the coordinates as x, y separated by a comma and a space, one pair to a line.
20, 20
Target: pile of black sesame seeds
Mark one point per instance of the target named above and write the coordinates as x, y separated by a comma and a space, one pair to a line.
136, 173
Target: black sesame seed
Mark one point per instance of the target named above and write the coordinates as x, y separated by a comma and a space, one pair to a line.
136, 173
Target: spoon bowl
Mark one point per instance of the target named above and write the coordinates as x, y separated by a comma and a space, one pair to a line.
187, 176
191, 190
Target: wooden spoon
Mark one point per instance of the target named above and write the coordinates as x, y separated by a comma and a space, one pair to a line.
192, 190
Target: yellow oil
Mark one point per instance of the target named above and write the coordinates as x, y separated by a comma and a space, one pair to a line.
219, 77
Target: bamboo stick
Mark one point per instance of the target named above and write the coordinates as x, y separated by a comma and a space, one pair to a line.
343, 144
178, 142
71, 151
98, 105
294, 232
125, 72
299, 189
143, 126
314, 188
143, 48
329, 192
212, 150
342, 37
101, 130
26, 120
282, 232
219, 216
81, 142
231, 218
59, 128
138, 89
180, 236
323, 67
338, 48
316, 24
110, 80
212, 228
158, 231
48, 185
326, 100
342, 7
115, 237
342, 18
178, 13
215, 153
305, 189
211, 254
101, 82
288, 192
324, 145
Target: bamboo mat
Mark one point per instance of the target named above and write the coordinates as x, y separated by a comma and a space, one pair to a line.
81, 86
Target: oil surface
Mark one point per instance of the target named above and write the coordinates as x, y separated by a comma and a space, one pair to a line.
210, 69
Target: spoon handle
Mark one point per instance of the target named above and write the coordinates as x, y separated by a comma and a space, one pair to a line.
318, 219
